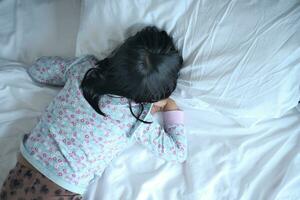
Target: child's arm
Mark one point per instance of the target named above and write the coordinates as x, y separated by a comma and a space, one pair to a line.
50, 70
168, 142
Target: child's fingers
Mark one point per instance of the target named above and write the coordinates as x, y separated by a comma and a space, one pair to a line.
161, 103
171, 105
155, 109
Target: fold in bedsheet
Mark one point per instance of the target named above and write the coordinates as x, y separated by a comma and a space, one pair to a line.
30, 29
225, 161
240, 57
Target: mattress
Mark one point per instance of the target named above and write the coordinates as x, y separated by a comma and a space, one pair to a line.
225, 160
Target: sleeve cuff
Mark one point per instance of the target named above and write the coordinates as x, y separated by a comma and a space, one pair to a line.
173, 117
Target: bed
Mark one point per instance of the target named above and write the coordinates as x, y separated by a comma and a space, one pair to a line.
242, 150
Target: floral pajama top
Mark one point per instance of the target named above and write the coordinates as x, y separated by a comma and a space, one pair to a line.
72, 143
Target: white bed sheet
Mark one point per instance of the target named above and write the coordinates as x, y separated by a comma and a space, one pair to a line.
240, 57
225, 161
30, 29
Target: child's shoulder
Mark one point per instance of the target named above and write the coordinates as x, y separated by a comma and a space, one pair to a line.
118, 105
81, 65
86, 61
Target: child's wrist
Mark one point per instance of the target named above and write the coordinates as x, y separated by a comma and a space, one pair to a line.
173, 117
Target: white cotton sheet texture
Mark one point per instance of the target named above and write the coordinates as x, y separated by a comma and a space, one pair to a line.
30, 29
242, 58
225, 160
21, 102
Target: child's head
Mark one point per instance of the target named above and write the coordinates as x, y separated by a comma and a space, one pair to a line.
143, 69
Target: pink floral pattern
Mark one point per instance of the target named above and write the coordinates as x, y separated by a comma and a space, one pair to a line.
74, 142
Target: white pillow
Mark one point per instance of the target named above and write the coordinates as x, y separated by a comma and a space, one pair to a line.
241, 58
30, 29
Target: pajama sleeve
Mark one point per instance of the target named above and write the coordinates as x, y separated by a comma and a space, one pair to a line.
168, 142
50, 70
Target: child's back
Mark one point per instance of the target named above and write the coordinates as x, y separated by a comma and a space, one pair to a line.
72, 143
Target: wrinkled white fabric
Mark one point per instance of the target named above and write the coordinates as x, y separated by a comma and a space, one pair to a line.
242, 58
225, 160
30, 29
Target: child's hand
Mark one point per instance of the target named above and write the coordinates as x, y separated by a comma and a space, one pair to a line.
170, 105
164, 105
158, 106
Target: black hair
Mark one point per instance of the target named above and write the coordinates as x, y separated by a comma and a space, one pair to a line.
144, 69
